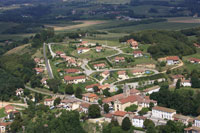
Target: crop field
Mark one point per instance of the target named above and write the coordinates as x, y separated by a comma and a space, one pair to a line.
184, 20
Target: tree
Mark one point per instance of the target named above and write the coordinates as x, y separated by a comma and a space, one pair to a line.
148, 123
57, 101
78, 92
95, 88
126, 124
106, 108
94, 111
151, 105
100, 102
178, 84
195, 80
131, 108
53, 84
69, 89
106, 92
116, 130
143, 111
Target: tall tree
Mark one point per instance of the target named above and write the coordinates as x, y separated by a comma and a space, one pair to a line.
94, 111
126, 124
78, 92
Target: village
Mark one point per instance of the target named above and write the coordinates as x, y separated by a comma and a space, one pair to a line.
112, 82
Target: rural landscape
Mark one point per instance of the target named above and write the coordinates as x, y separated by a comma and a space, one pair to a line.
100, 66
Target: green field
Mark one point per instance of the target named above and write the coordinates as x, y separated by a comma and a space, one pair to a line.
2, 114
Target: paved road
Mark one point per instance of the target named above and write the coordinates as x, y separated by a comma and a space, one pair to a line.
48, 66
52, 53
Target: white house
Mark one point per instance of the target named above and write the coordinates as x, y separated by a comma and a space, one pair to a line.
3, 126
138, 121
163, 113
119, 59
197, 121
99, 49
99, 66
172, 60
74, 80
186, 83
49, 102
122, 75
137, 72
151, 90
105, 74
137, 54
82, 50
19, 92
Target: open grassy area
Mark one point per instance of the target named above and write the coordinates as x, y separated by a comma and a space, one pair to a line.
18, 50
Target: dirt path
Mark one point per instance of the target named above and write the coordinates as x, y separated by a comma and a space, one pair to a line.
84, 24
3, 104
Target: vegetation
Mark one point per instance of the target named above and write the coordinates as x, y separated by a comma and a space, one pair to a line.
131, 108
126, 124
94, 111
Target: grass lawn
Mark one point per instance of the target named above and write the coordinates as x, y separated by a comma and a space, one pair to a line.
97, 75
2, 114
93, 55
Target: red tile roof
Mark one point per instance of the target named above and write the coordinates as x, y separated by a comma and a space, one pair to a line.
103, 87
100, 65
48, 100
121, 72
40, 70
194, 59
59, 52
120, 113
5, 124
164, 109
90, 95
177, 76
105, 72
91, 86
85, 105
108, 115
99, 48
137, 71
128, 99
9, 107
72, 70
68, 78
174, 58
137, 52
113, 98
82, 48
119, 58
139, 117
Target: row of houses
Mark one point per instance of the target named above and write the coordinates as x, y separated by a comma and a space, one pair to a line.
71, 61
132, 43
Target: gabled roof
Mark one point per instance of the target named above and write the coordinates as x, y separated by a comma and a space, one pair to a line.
139, 117
72, 70
120, 113
113, 98
151, 88
164, 109
106, 72
131, 99
85, 105
137, 52
174, 58
119, 58
194, 59
92, 85
90, 95
82, 48
138, 71
121, 72
100, 65
68, 78
179, 76
39, 70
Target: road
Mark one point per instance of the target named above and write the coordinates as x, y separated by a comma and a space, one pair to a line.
48, 66
52, 53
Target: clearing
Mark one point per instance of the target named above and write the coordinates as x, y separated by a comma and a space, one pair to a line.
17, 49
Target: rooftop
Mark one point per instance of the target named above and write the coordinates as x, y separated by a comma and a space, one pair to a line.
164, 109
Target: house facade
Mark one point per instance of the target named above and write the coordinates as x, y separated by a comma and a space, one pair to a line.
137, 54
163, 113
74, 80
138, 121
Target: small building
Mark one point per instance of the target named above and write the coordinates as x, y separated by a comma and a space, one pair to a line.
119, 59
72, 62
197, 121
84, 107
194, 60
137, 54
105, 74
184, 119
72, 70
9, 108
74, 80
89, 88
99, 48
151, 90
186, 83
82, 50
163, 113
90, 97
192, 130
138, 121
19, 92
103, 87
44, 81
38, 60
4, 126
39, 70
172, 60
133, 43
59, 53
108, 117
197, 45
119, 116
122, 75
99, 66
138, 72
175, 78
49, 102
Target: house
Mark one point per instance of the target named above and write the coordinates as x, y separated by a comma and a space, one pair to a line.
49, 102
105, 74
197, 121
99, 48
19, 92
74, 80
12, 114
121, 104
192, 130
39, 70
72, 70
72, 62
147, 65
163, 113
37, 60
99, 66
4, 126
122, 75
86, 44
44, 81
138, 72
175, 78
184, 119
82, 50
194, 60
59, 53
186, 83
119, 59
103, 87
133, 43
172, 60
9, 108
151, 90
138, 121
119, 116
90, 97
89, 88
144, 102
137, 54
84, 107
108, 117
197, 45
